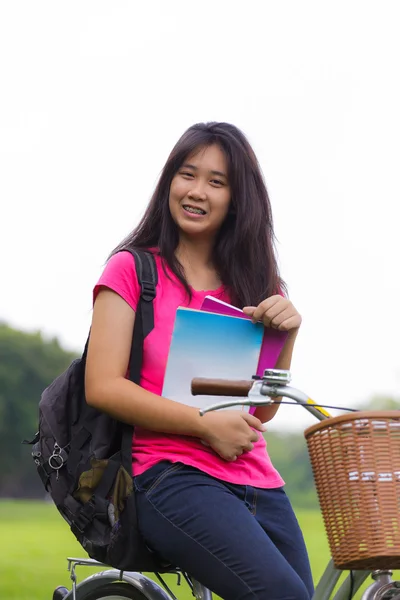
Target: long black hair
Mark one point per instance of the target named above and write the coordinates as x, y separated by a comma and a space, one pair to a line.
244, 249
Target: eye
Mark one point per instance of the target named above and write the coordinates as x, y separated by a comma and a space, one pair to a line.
217, 182
187, 174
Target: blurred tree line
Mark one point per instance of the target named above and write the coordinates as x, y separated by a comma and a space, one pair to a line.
29, 362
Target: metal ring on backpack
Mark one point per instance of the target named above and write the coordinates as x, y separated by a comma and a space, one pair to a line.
57, 461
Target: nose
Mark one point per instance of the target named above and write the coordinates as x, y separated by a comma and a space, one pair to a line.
197, 192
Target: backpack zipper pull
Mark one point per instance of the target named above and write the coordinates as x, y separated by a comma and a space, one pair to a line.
56, 461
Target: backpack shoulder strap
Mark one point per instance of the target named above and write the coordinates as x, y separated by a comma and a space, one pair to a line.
147, 277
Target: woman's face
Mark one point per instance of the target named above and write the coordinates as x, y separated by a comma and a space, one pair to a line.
200, 195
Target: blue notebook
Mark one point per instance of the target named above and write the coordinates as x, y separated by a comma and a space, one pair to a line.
210, 345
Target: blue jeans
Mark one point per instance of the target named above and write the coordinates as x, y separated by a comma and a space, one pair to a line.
241, 542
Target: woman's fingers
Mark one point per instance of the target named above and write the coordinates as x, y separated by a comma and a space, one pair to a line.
276, 312
257, 313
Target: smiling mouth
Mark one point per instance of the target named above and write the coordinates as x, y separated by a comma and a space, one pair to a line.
194, 210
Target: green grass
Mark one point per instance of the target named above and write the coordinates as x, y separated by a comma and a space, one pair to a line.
35, 541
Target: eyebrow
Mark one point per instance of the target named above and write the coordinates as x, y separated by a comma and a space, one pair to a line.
220, 173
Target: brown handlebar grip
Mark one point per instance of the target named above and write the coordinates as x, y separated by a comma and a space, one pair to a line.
220, 387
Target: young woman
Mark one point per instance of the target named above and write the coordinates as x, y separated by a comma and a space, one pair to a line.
209, 499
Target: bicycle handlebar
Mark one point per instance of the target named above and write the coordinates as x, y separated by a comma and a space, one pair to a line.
220, 387
259, 392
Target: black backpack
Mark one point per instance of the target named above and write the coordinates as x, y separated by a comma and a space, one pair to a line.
84, 457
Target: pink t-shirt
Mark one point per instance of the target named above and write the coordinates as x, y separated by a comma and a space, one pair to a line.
148, 448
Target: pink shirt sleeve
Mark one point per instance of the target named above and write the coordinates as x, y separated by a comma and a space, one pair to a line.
119, 275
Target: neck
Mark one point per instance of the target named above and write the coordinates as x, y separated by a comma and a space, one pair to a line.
195, 256
196, 253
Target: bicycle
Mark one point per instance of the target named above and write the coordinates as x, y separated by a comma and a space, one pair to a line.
112, 584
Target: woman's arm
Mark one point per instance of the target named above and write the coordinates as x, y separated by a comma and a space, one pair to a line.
266, 413
279, 313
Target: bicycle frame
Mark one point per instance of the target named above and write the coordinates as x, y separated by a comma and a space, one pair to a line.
274, 384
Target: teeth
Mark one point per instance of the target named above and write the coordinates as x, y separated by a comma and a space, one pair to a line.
197, 211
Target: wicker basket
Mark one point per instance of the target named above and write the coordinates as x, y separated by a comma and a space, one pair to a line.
356, 464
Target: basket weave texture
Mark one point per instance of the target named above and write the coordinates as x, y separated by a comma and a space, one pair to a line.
356, 464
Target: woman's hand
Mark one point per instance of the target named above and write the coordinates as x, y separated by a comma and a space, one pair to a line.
276, 312
230, 433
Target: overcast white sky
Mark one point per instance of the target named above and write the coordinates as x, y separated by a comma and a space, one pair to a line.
93, 96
